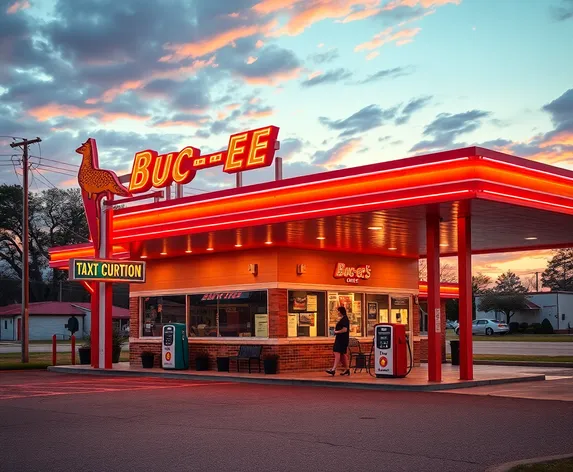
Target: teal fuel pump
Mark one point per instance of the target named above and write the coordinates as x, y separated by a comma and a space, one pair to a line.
174, 347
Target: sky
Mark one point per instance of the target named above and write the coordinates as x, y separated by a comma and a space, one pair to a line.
349, 82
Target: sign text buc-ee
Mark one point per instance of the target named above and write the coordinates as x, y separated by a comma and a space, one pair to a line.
107, 271
352, 274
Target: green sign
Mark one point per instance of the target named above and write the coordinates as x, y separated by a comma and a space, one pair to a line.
107, 271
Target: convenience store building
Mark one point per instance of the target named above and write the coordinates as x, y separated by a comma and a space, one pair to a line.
268, 264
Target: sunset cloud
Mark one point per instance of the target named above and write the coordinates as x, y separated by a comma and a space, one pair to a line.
384, 37
17, 6
336, 156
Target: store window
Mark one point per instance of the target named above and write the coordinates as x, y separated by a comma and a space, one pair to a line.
306, 313
158, 311
353, 304
400, 310
229, 314
376, 311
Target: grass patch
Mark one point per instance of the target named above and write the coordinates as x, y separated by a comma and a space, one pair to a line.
503, 357
41, 360
518, 337
561, 465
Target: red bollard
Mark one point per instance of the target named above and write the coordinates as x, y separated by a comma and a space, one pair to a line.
54, 349
73, 350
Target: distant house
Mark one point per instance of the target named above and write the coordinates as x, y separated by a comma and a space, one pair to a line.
49, 318
557, 307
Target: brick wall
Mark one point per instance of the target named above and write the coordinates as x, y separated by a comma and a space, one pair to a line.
292, 357
278, 308
134, 317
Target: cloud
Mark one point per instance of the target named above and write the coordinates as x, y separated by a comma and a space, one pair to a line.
17, 6
336, 155
325, 57
274, 65
290, 147
330, 77
389, 74
564, 11
372, 55
400, 38
412, 107
447, 127
367, 118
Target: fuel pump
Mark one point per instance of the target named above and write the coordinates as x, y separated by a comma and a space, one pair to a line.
390, 346
174, 347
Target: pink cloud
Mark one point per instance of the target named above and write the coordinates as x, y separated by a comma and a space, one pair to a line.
386, 36
17, 6
361, 15
564, 138
53, 110
339, 154
212, 44
372, 55
272, 6
257, 114
259, 44
273, 79
422, 3
252, 60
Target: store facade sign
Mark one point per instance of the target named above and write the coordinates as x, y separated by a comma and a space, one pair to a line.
352, 275
97, 270
225, 296
248, 150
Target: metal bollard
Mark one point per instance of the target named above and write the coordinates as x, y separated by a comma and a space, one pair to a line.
73, 349
54, 350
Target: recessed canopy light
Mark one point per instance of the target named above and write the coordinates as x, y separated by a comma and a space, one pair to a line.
268, 242
210, 249
374, 228
320, 237
238, 245
392, 248
532, 238
188, 251
163, 253
143, 257
443, 245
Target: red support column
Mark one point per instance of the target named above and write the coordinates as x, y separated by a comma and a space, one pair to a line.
108, 321
73, 350
54, 350
465, 284
94, 328
434, 313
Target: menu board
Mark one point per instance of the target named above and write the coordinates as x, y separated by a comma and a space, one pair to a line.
292, 325
261, 325
311, 303
299, 303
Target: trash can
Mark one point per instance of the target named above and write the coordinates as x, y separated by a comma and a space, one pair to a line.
455, 348
223, 364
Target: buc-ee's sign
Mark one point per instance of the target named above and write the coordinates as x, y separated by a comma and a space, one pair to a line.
352, 275
246, 151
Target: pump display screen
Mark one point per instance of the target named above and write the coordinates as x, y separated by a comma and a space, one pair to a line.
383, 337
168, 335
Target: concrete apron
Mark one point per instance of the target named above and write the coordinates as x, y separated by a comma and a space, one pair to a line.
416, 381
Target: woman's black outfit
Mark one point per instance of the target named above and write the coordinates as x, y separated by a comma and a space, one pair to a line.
341, 340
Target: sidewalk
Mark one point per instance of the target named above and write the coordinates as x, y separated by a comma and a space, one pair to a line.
416, 381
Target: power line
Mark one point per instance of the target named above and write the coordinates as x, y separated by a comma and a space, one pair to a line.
43, 169
46, 166
56, 161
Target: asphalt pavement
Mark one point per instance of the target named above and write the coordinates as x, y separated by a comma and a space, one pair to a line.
54, 422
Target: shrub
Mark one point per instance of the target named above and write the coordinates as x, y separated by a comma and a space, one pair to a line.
523, 327
513, 327
536, 328
546, 327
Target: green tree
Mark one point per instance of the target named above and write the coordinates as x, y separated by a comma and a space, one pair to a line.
507, 303
56, 219
480, 284
509, 283
559, 272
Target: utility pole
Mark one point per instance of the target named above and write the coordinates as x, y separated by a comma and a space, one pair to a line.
25, 249
537, 281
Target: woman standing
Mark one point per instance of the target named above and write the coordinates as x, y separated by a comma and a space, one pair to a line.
342, 332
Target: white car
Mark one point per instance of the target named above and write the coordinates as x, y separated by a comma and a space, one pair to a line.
487, 327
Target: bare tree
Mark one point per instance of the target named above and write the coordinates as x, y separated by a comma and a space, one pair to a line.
448, 272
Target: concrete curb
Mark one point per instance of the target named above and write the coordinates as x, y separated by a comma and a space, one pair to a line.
299, 382
536, 460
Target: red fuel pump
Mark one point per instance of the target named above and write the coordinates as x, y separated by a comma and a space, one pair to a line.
391, 349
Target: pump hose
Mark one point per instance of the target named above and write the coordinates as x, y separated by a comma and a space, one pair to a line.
409, 352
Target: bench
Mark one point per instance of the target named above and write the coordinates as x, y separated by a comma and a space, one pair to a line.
248, 353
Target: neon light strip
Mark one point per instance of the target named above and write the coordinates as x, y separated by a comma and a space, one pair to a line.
559, 176
306, 184
524, 189
331, 200
301, 213
527, 199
